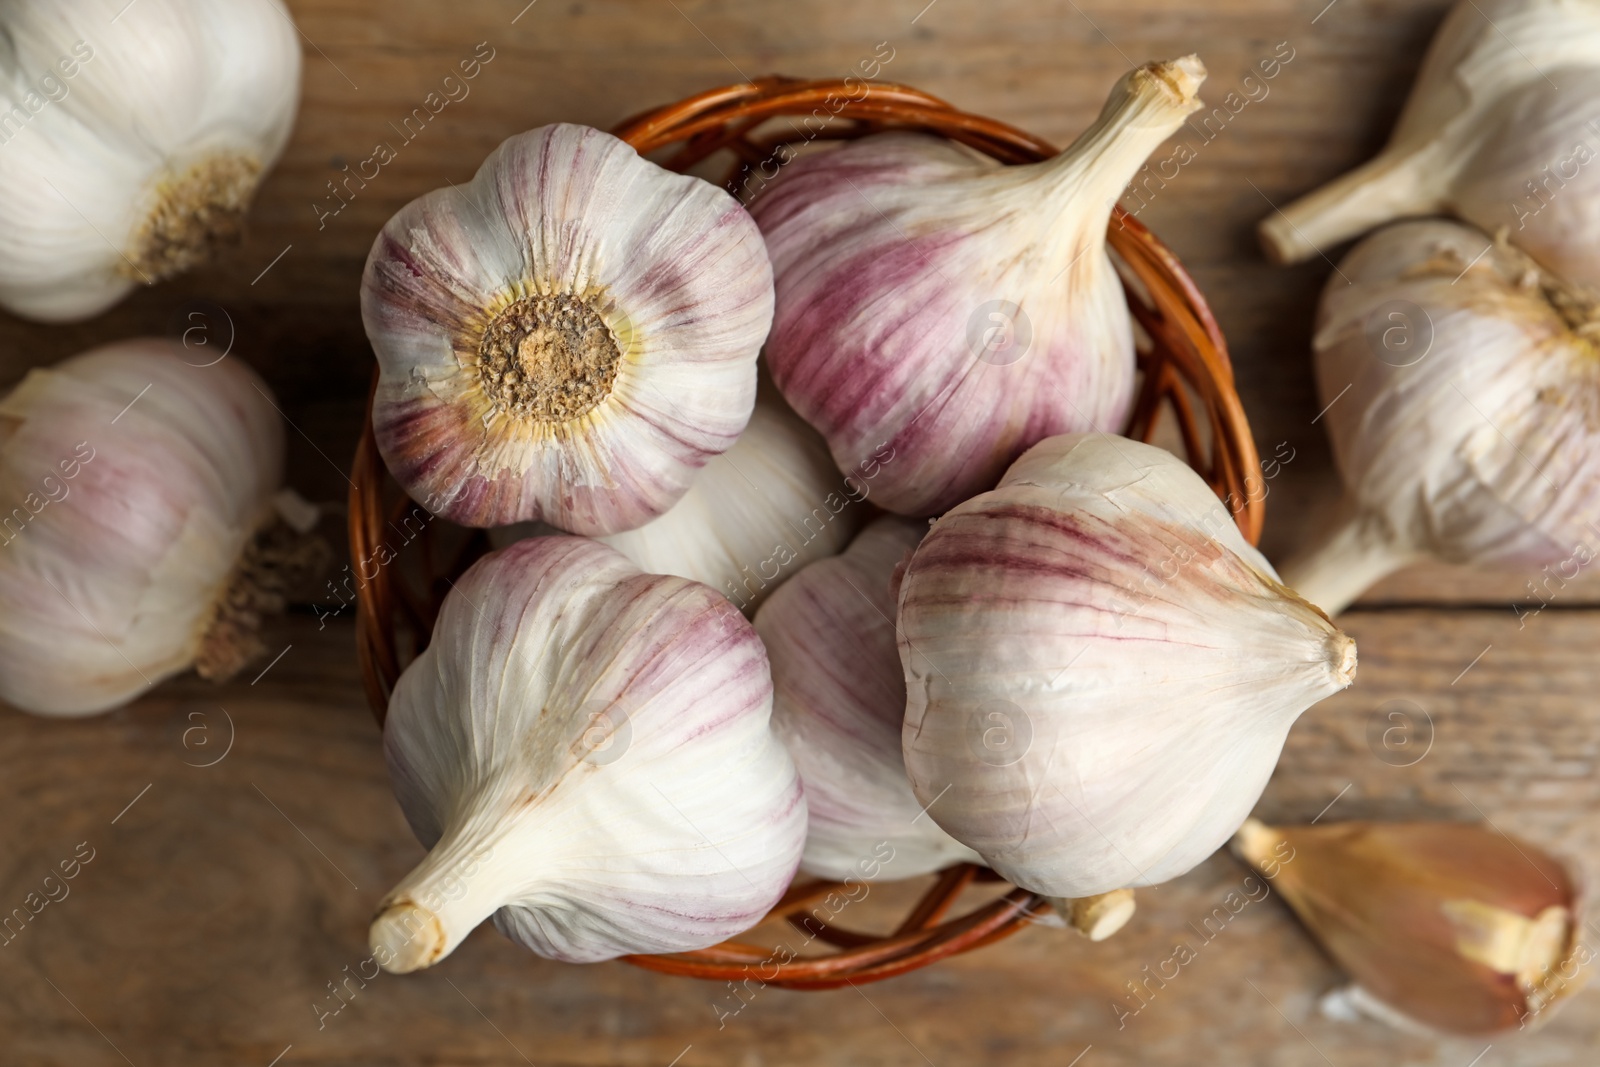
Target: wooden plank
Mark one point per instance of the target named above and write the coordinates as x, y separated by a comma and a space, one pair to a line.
218, 908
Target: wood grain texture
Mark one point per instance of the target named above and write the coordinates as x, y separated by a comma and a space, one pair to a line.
220, 906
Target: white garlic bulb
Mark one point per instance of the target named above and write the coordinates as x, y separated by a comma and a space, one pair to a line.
132, 139
755, 515
586, 751
937, 314
569, 337
132, 484
1500, 129
839, 699
1462, 390
1100, 670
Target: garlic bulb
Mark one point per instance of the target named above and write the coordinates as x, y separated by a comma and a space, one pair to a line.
132, 139
1100, 670
838, 702
1461, 386
569, 337
585, 750
1451, 925
755, 515
937, 314
132, 484
1498, 130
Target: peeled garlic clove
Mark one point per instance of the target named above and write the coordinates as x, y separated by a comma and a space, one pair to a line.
1460, 384
938, 314
1451, 925
838, 703
132, 484
1100, 670
569, 337
132, 139
755, 515
1499, 130
586, 752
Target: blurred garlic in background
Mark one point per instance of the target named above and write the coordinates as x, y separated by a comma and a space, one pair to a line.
1100, 670
586, 751
143, 530
947, 312
1451, 926
569, 337
132, 139
1462, 388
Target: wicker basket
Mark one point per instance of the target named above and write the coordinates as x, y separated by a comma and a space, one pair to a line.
1185, 370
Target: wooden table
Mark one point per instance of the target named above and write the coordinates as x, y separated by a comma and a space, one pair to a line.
223, 903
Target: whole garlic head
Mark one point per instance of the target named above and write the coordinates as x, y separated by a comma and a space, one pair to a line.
586, 751
132, 139
755, 515
131, 483
569, 337
839, 700
947, 313
1467, 420
1100, 671
1500, 130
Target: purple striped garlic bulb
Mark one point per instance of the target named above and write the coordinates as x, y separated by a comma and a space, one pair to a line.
568, 337
948, 312
839, 699
586, 752
1100, 670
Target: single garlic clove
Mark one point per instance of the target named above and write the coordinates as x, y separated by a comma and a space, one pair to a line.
1498, 130
586, 752
1451, 925
839, 701
92, 208
937, 314
755, 515
132, 483
569, 337
1100, 671
1461, 384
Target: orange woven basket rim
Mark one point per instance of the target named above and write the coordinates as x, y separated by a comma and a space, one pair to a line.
1186, 350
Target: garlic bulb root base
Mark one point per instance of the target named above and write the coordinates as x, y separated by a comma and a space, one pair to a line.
406, 937
196, 211
1350, 556
1099, 916
1397, 184
278, 559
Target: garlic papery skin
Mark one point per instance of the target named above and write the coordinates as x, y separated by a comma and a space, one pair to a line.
131, 484
838, 703
1462, 394
937, 314
1449, 927
1500, 129
755, 515
586, 752
569, 337
132, 139
1100, 670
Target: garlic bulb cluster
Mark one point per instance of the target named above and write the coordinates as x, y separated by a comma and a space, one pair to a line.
949, 312
1100, 670
838, 703
1452, 926
1463, 389
569, 337
754, 515
586, 751
1499, 130
132, 485
132, 139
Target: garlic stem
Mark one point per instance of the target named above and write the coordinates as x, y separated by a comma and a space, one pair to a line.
1397, 184
1344, 561
1099, 916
